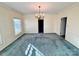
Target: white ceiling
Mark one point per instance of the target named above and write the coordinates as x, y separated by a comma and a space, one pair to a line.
32, 7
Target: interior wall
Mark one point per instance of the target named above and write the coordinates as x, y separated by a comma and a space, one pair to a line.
6, 25
31, 23
49, 23
72, 28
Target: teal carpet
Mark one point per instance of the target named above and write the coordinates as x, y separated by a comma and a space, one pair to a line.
48, 44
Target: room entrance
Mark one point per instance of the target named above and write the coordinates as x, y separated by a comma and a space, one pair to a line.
40, 26
63, 26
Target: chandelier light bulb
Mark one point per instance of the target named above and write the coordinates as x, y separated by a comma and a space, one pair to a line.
40, 14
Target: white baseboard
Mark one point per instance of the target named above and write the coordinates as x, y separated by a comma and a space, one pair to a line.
19, 36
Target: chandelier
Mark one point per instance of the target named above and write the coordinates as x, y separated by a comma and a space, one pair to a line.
40, 14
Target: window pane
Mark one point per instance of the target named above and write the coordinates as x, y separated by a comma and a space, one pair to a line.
0, 40
17, 26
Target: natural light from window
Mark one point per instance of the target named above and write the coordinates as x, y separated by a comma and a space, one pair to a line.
0, 39
17, 25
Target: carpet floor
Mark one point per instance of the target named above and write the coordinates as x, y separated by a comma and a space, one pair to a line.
48, 44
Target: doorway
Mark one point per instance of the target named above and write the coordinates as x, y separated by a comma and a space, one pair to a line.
63, 27
40, 26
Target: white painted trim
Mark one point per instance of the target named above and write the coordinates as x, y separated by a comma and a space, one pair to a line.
19, 36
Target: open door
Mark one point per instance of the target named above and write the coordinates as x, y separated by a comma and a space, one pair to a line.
63, 27
40, 26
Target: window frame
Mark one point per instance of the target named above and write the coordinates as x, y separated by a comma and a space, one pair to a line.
17, 33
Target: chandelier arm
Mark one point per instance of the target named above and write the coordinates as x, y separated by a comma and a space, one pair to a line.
40, 14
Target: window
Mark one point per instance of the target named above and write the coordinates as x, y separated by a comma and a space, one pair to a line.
17, 25
0, 40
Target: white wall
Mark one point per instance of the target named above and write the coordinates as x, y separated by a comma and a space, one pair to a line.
6, 25
49, 23
72, 30
31, 23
